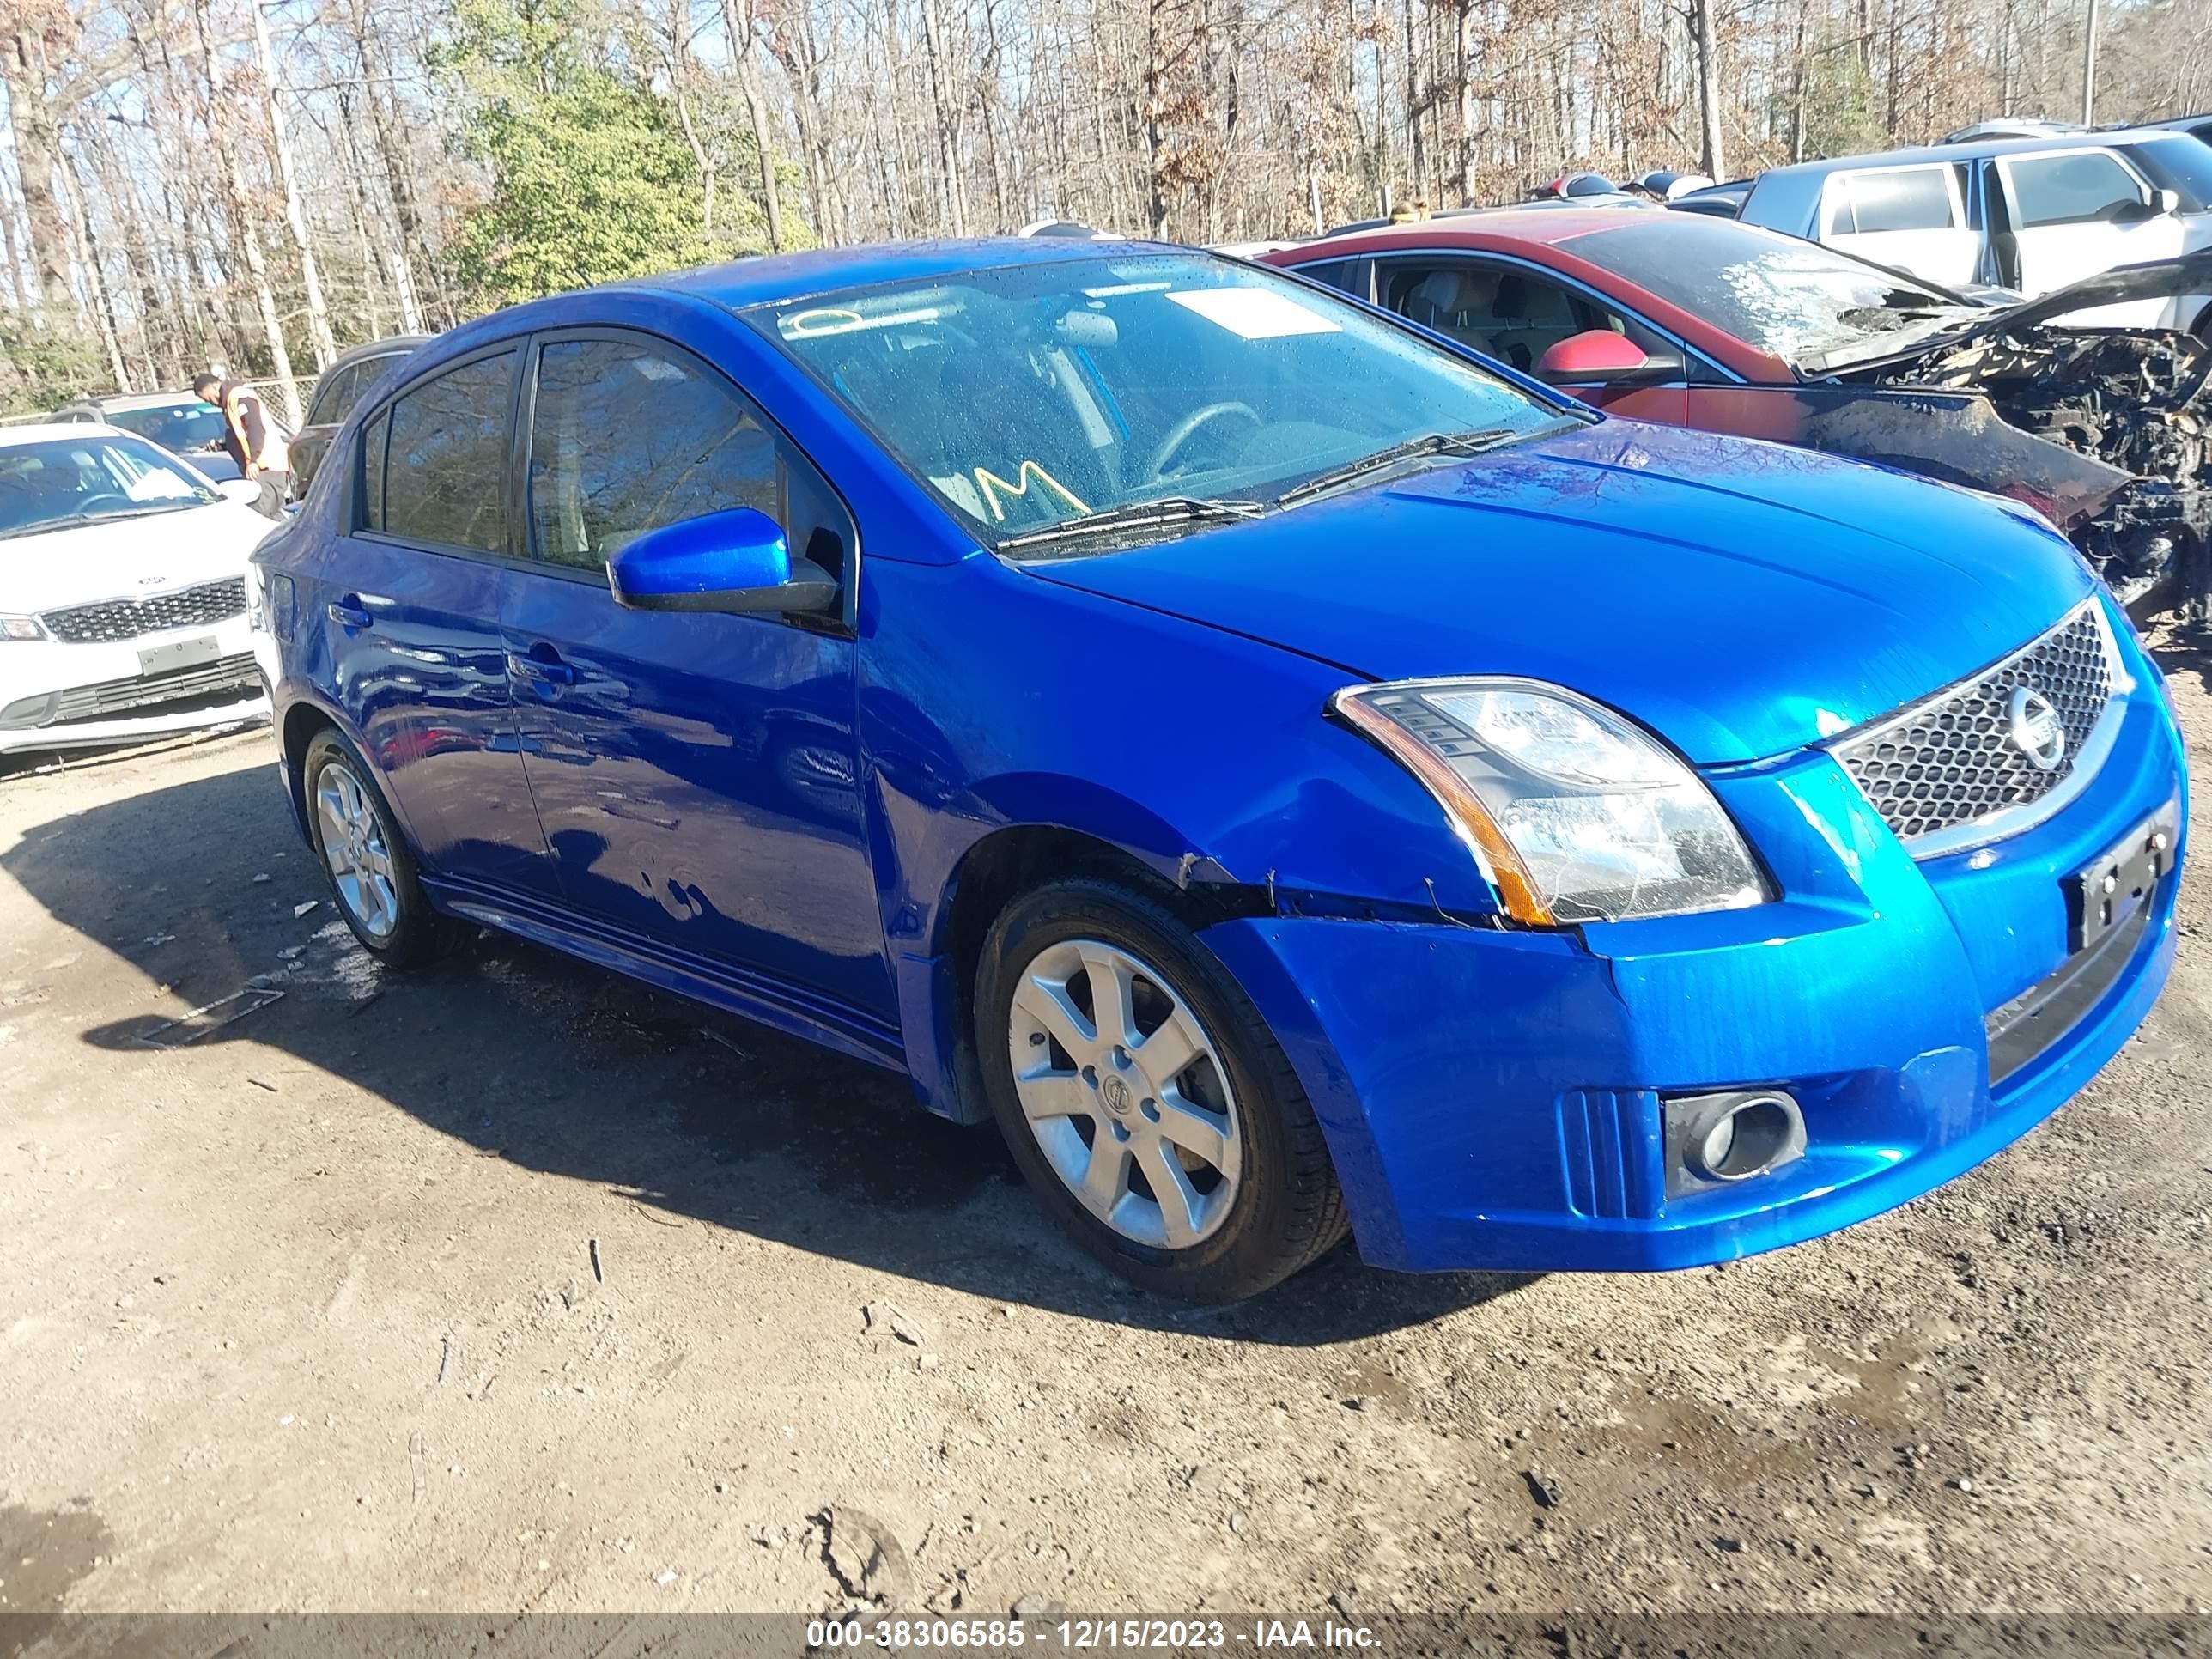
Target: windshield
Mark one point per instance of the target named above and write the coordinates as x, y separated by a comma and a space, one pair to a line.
64, 482
1793, 300
1034, 395
183, 427
2185, 163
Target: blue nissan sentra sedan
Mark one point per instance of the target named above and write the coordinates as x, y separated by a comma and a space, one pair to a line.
1292, 774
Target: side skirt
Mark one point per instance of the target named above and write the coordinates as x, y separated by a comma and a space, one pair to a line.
755, 997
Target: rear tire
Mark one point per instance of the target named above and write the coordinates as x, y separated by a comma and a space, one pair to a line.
367, 862
1171, 1137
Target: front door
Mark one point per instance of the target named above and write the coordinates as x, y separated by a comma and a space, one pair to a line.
696, 775
2076, 213
413, 624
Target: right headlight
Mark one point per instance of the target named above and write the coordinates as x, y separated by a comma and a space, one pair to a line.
1573, 813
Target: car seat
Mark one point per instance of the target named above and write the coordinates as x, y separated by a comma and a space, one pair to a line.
1457, 301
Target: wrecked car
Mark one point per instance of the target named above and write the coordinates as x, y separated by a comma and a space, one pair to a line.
1704, 322
1291, 775
2134, 398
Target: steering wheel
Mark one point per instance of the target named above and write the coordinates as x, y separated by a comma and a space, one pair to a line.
1156, 467
99, 495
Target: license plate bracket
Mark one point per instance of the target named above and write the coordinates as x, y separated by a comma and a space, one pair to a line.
166, 659
2112, 886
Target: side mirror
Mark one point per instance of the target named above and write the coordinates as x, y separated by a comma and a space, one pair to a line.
734, 561
245, 491
1598, 356
2167, 201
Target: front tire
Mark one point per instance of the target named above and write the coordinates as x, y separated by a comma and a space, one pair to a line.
369, 865
1145, 1098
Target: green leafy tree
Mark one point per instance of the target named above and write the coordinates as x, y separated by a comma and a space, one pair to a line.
590, 178
42, 369
1841, 117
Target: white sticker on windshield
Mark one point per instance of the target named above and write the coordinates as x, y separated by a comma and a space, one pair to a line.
1255, 314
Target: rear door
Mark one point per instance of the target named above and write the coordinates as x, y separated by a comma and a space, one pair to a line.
1911, 219
2077, 212
411, 606
696, 774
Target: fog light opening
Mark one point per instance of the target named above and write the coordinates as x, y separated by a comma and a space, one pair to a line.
1749, 1137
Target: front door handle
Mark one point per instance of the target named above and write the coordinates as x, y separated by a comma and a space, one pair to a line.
542, 663
350, 612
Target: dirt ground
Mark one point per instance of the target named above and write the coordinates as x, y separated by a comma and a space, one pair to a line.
515, 1286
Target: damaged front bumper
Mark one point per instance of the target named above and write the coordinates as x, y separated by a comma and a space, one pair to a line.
1500, 1098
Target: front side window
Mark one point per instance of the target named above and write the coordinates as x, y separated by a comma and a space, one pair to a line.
58, 483
1901, 198
1502, 311
625, 438
437, 461
1028, 396
2071, 190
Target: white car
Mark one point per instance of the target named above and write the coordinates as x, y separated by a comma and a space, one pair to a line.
122, 592
2031, 215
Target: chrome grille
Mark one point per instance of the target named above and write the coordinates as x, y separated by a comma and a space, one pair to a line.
1948, 773
129, 619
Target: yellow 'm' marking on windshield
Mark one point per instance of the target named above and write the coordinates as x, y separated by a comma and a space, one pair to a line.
991, 485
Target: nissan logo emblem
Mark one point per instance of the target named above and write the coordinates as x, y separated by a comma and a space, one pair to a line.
2037, 731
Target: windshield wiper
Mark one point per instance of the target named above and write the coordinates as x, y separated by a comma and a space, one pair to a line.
70, 521
1137, 515
1433, 443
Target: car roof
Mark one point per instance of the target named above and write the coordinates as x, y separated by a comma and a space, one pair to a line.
43, 431
1521, 224
391, 345
1949, 154
773, 278
129, 400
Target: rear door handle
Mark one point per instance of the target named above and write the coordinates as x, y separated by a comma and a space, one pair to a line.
542, 664
348, 612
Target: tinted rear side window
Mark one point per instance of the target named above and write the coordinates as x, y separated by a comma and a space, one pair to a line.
444, 473
1914, 199
334, 396
1348, 275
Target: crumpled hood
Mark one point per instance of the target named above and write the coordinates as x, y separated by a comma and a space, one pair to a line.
1741, 598
2155, 279
128, 558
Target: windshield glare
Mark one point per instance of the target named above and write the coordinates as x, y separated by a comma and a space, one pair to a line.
64, 481
183, 427
1034, 394
1793, 300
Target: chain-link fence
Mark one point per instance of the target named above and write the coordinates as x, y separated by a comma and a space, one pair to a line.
287, 400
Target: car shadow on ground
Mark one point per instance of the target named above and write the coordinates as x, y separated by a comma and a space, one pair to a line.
523, 1053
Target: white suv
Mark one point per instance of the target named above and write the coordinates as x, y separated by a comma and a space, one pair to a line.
2028, 214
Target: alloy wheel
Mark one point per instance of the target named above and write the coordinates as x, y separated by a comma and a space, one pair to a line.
355, 849
1126, 1094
